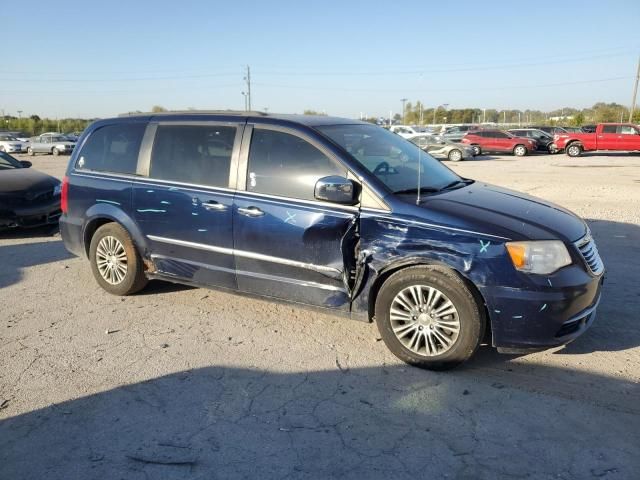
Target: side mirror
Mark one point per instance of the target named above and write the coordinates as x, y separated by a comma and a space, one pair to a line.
26, 163
336, 189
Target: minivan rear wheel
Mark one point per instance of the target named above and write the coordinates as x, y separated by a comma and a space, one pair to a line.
429, 318
115, 261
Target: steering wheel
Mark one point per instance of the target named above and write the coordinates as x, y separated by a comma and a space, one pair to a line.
382, 168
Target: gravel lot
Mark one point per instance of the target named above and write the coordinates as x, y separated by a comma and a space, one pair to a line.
179, 382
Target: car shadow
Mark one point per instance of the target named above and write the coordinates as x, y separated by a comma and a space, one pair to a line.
16, 257
375, 423
45, 231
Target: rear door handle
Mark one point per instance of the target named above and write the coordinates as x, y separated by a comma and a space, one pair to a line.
251, 212
214, 206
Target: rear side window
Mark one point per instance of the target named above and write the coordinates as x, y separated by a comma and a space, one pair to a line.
627, 130
113, 148
609, 128
197, 154
286, 165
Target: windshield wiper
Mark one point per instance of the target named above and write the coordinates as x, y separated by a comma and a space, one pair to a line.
455, 183
415, 190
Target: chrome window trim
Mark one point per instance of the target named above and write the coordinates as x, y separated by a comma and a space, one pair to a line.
329, 271
313, 203
154, 182
144, 155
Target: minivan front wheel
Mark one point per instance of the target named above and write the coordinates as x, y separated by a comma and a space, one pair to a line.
115, 262
429, 318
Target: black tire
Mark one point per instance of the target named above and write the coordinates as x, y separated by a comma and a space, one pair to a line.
455, 155
520, 151
470, 313
476, 150
574, 149
134, 280
55, 152
30, 152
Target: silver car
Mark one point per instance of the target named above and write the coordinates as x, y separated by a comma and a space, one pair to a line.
442, 149
54, 143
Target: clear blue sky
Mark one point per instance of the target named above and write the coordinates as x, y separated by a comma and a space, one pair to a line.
101, 58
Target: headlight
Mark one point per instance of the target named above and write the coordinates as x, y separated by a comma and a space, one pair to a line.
541, 257
57, 190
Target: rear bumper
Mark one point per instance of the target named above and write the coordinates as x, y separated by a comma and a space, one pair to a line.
532, 320
72, 236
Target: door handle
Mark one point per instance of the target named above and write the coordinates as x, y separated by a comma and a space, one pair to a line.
251, 212
214, 206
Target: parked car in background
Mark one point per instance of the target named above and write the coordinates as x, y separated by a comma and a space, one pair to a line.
22, 136
334, 214
442, 149
404, 131
455, 134
571, 129
589, 128
543, 139
608, 136
550, 130
28, 198
499, 141
10, 144
53, 143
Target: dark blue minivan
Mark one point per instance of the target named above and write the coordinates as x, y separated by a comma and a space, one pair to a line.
329, 213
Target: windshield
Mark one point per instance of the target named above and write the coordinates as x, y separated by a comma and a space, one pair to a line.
391, 158
59, 138
7, 162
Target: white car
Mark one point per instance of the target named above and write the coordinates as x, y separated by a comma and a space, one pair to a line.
10, 144
403, 130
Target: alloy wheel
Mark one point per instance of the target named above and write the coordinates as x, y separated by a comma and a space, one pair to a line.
424, 320
111, 260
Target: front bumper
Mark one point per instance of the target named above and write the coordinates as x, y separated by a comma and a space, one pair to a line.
532, 320
32, 216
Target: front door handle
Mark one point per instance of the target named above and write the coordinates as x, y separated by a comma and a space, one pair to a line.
214, 206
251, 212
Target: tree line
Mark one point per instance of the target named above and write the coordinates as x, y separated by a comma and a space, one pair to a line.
417, 114
414, 114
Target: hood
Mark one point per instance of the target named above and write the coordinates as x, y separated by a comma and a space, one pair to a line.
507, 213
21, 179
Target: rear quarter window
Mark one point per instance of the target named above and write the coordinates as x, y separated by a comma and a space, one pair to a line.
112, 148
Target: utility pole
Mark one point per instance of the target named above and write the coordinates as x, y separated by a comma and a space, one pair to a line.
247, 78
404, 114
635, 92
20, 114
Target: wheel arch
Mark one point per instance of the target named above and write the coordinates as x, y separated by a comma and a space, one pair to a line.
101, 214
444, 267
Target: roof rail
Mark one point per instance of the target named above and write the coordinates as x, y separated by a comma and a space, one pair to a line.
195, 112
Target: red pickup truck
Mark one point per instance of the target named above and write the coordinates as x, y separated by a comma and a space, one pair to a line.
608, 136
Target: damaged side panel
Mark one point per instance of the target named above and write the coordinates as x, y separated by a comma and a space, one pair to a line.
295, 250
388, 243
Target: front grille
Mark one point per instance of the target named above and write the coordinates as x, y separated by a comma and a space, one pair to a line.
589, 251
28, 199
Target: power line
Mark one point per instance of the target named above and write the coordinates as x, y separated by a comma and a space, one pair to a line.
474, 89
453, 68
